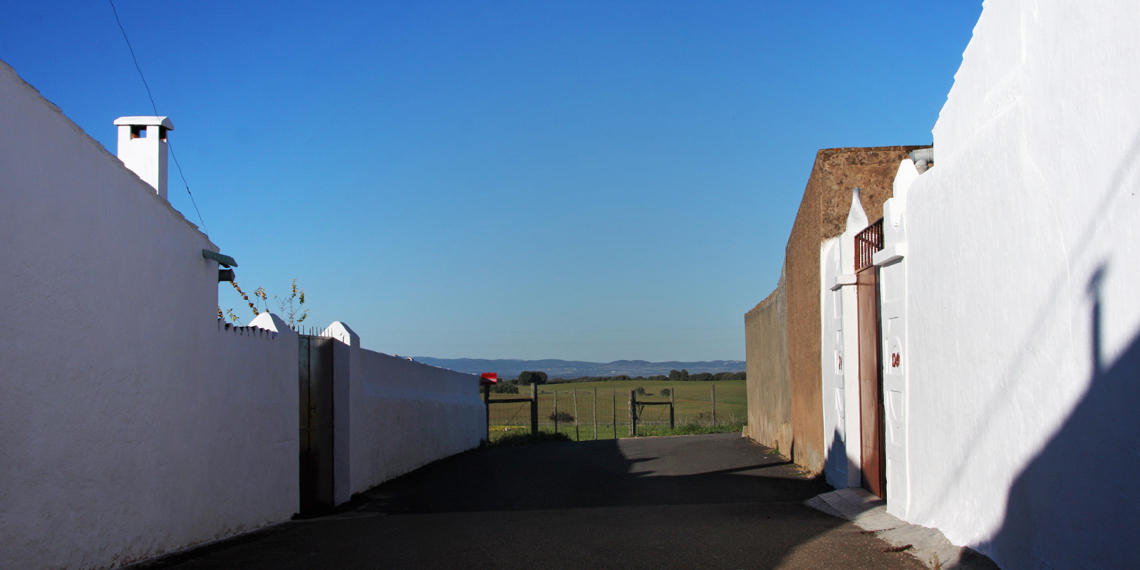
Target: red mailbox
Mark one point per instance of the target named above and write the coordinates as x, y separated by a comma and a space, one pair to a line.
489, 378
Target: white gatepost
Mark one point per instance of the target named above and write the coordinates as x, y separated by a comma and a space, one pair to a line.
849, 337
832, 357
891, 261
344, 357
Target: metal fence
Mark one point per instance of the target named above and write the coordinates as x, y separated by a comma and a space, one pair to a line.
604, 413
867, 243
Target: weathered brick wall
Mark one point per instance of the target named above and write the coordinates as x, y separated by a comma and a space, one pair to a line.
822, 215
801, 265
766, 345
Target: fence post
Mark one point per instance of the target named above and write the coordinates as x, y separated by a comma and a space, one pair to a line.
714, 404
632, 413
487, 408
613, 394
533, 409
556, 410
672, 402
577, 435
595, 413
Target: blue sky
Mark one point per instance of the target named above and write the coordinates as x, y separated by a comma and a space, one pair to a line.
577, 180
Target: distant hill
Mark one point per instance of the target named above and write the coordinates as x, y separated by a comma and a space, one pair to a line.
510, 369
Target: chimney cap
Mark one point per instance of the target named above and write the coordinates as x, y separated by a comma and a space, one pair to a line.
132, 121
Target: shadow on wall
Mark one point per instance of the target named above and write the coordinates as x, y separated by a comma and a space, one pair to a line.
838, 464
1076, 505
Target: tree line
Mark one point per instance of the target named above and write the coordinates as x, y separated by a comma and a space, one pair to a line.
528, 377
673, 376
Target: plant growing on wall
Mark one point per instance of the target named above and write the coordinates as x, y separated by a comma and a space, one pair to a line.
291, 307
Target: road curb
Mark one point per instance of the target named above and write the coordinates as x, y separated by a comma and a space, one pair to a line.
928, 545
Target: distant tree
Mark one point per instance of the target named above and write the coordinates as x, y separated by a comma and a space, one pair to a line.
504, 389
721, 376
666, 391
528, 377
682, 376
701, 377
639, 391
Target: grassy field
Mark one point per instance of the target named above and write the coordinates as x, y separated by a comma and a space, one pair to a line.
693, 409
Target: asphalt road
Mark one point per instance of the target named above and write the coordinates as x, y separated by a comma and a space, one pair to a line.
712, 501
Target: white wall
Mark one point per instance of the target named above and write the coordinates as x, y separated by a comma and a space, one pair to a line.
895, 358
1021, 274
840, 351
132, 425
407, 414
832, 360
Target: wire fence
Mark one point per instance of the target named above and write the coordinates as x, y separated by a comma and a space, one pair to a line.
587, 413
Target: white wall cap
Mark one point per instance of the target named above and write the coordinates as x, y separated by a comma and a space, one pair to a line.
841, 280
904, 177
271, 322
906, 174
856, 217
343, 333
889, 255
132, 121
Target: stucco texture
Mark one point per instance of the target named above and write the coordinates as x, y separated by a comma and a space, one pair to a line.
133, 425
1023, 434
822, 215
407, 414
766, 346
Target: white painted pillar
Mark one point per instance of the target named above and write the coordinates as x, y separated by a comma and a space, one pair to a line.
856, 222
896, 381
345, 386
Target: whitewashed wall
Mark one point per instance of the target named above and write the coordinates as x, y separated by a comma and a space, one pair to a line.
132, 425
1021, 274
895, 358
403, 415
832, 362
840, 351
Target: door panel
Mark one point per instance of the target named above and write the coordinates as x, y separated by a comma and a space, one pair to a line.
871, 383
315, 382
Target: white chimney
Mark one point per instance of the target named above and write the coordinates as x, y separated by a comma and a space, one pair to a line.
142, 148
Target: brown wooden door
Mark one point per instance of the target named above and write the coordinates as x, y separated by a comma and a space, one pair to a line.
871, 411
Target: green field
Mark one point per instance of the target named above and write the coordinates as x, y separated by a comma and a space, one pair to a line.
693, 408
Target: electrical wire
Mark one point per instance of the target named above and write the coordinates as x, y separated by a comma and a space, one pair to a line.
155, 109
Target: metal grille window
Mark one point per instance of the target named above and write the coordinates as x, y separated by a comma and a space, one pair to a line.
867, 243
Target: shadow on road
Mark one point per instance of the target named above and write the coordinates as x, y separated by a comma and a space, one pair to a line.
626, 472
716, 501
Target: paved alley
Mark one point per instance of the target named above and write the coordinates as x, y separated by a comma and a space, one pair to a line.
711, 501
